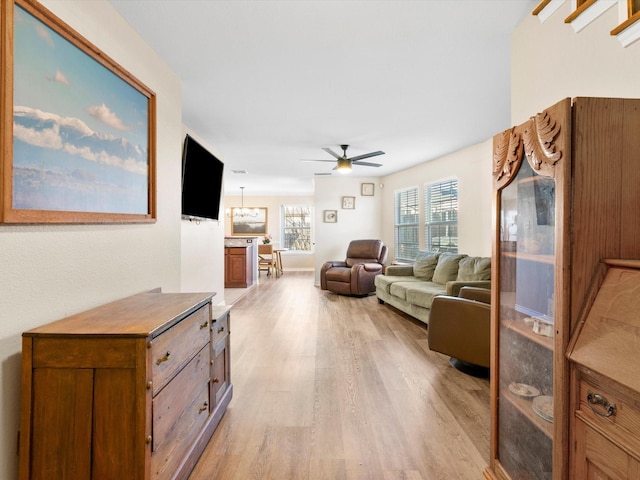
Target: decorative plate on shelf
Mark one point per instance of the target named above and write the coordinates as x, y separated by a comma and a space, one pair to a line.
523, 390
543, 406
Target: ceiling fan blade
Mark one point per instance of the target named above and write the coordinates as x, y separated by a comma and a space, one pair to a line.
331, 152
366, 164
366, 155
313, 160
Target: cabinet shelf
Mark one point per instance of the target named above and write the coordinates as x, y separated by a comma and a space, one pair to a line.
524, 406
533, 257
521, 328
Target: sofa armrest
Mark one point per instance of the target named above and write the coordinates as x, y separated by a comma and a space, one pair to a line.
453, 287
400, 270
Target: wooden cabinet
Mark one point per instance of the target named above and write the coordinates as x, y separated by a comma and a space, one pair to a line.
220, 347
565, 196
605, 385
122, 390
238, 267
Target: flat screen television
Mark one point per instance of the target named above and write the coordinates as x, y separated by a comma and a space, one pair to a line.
201, 181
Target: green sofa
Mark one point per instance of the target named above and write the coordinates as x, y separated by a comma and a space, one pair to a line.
411, 288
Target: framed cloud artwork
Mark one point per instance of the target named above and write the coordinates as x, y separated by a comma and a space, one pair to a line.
78, 131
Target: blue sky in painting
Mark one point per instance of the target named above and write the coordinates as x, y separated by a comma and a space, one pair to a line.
80, 131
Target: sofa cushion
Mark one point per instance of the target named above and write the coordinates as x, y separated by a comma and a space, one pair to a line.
384, 282
425, 265
422, 294
447, 267
474, 268
399, 289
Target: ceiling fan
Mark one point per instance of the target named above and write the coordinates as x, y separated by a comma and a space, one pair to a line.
345, 163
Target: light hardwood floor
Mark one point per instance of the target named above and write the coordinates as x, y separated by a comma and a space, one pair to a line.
333, 387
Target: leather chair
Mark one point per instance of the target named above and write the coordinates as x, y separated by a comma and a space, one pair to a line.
460, 327
355, 275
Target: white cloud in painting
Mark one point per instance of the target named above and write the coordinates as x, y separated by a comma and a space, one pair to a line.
45, 137
60, 78
39, 115
73, 136
43, 33
105, 115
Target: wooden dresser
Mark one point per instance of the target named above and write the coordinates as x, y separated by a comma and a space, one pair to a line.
605, 379
133, 389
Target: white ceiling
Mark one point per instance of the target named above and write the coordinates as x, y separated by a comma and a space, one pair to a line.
266, 83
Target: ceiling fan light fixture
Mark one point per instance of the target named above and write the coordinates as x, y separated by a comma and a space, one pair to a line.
344, 165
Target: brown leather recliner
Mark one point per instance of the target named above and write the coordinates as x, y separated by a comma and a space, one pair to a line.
355, 275
460, 327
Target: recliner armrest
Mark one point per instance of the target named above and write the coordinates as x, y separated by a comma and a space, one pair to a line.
335, 263
372, 267
475, 293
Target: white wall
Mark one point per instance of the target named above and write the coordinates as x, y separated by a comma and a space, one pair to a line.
549, 62
364, 221
273, 203
472, 167
49, 272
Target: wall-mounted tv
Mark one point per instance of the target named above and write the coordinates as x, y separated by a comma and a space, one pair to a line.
201, 181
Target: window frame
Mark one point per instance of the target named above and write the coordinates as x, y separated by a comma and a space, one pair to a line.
308, 226
445, 205
406, 198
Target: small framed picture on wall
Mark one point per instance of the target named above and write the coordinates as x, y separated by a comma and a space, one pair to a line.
330, 216
348, 203
367, 189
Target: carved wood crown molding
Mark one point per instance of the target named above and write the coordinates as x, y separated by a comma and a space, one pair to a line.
507, 154
537, 142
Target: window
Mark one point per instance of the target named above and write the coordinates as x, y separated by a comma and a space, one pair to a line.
441, 216
407, 242
296, 227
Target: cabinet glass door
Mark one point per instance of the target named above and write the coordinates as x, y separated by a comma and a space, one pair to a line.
526, 325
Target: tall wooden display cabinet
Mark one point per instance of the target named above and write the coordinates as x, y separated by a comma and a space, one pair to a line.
565, 196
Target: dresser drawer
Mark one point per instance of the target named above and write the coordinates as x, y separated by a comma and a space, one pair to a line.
171, 350
180, 411
220, 328
611, 412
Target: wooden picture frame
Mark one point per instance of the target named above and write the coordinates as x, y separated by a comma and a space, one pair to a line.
348, 203
249, 221
78, 132
330, 216
367, 189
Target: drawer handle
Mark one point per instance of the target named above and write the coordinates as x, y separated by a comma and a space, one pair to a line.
163, 359
216, 380
595, 399
204, 407
204, 325
221, 329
